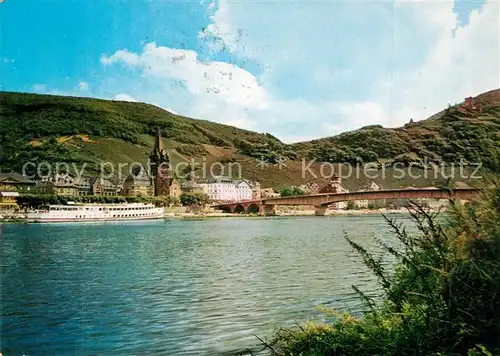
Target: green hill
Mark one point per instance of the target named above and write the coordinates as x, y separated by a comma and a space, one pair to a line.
457, 133
46, 128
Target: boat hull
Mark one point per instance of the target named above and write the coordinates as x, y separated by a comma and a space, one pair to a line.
54, 220
89, 213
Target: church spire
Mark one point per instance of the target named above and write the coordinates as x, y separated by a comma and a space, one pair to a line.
158, 148
159, 167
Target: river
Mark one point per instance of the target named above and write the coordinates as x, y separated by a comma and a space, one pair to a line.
178, 287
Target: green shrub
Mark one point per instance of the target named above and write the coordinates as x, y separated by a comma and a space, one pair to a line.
290, 192
192, 199
442, 299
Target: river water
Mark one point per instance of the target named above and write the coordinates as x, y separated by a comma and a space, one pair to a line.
180, 287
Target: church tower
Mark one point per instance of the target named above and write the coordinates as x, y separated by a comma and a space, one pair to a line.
159, 164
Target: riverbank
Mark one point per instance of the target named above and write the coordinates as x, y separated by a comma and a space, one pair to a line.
21, 217
288, 213
343, 212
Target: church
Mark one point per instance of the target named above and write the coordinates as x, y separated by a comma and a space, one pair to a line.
159, 181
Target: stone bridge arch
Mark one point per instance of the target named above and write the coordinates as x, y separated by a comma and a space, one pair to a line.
239, 209
226, 209
253, 208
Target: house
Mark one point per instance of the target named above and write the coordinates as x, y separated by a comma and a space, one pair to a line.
256, 191
10, 182
64, 184
335, 186
100, 186
175, 188
255, 187
220, 189
224, 189
363, 204
192, 187
243, 190
313, 188
61, 184
269, 193
310, 188
8, 200
138, 183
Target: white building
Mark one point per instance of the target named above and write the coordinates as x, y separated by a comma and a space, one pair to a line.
220, 189
243, 190
224, 189
340, 204
363, 204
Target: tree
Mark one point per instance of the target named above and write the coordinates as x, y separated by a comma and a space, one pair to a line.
190, 199
351, 205
290, 192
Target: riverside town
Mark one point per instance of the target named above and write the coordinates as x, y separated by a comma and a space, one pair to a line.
215, 195
192, 180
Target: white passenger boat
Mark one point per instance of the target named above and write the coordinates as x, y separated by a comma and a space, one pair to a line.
95, 212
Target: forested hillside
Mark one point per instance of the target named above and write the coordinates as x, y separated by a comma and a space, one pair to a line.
37, 128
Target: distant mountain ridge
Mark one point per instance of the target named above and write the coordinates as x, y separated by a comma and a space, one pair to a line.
38, 128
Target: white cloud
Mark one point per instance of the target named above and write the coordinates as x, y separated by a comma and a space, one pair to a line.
124, 56
324, 67
84, 86
39, 87
419, 61
241, 100
170, 110
464, 61
229, 83
124, 97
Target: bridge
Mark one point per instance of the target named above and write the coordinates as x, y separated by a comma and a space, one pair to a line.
267, 206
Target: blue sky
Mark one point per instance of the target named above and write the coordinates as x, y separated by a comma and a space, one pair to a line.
299, 70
